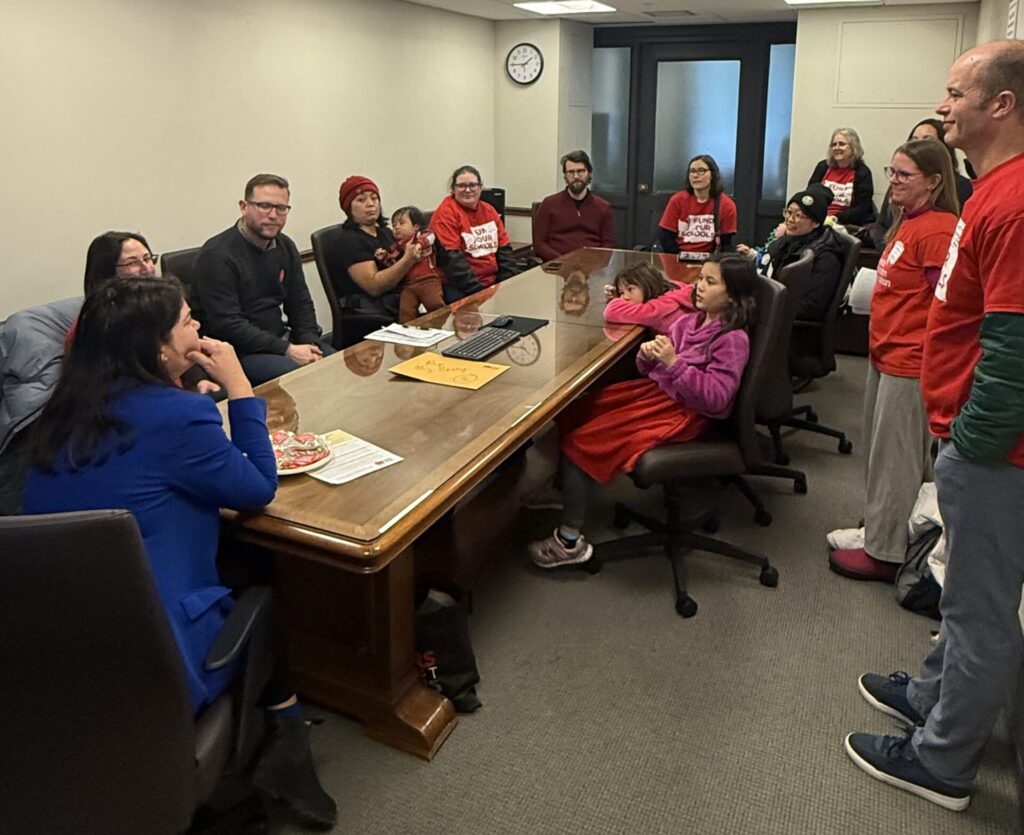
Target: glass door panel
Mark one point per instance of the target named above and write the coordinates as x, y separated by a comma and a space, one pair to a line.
697, 112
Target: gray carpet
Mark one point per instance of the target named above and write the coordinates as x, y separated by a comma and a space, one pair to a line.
605, 712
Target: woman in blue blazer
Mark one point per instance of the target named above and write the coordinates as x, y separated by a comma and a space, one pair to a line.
118, 432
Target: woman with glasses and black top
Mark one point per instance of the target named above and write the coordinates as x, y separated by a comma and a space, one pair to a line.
475, 250
700, 219
804, 227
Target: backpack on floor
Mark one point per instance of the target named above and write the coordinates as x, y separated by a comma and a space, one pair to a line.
916, 588
443, 647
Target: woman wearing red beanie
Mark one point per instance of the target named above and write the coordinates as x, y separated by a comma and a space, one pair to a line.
369, 262
475, 250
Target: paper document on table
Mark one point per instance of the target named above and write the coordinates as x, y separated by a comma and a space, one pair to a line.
353, 457
407, 335
463, 374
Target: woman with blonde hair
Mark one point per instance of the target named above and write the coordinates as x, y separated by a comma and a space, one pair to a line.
849, 179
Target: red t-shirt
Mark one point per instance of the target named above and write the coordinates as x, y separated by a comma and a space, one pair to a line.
840, 181
902, 297
983, 273
477, 235
694, 222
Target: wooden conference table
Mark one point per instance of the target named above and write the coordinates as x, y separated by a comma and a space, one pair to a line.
346, 553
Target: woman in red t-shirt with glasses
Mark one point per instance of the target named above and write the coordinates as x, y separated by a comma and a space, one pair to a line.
895, 424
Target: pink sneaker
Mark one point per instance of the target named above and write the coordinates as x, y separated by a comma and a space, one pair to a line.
552, 552
858, 564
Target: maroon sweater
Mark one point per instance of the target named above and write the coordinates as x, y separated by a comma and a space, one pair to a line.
563, 224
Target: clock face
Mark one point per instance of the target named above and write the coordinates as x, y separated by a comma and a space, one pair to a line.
524, 63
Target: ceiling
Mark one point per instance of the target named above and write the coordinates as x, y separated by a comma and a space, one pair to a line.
651, 12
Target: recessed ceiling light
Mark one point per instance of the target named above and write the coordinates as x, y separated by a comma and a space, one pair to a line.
565, 7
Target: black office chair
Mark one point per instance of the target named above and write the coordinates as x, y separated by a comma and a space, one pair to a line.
729, 451
348, 325
814, 357
775, 404
182, 265
99, 734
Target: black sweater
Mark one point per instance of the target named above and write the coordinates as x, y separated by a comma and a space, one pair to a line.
242, 288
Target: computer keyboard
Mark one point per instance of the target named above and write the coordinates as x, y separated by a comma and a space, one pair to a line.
482, 344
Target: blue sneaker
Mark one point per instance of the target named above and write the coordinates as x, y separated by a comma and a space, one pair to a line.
892, 760
889, 695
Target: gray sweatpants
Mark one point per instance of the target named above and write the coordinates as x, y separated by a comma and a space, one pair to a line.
897, 462
973, 670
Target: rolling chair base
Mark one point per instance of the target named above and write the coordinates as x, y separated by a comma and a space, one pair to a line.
676, 537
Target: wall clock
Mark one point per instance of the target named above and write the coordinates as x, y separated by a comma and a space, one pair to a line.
524, 63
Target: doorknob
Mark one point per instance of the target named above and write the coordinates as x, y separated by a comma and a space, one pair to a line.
643, 188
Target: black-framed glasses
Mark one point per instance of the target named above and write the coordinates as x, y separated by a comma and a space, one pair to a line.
894, 175
576, 172
697, 172
467, 186
147, 259
267, 208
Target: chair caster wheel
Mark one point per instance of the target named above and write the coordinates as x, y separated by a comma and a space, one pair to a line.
845, 446
812, 416
592, 566
711, 526
686, 607
800, 486
769, 577
782, 459
620, 519
763, 518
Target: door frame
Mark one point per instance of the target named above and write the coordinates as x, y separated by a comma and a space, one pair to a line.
754, 44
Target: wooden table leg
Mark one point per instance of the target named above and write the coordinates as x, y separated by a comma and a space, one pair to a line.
351, 649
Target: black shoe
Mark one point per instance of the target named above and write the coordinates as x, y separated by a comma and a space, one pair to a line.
889, 695
284, 770
892, 760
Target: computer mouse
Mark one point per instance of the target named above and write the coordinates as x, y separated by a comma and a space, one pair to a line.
502, 322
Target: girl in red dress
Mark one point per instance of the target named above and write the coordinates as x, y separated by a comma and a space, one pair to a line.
690, 377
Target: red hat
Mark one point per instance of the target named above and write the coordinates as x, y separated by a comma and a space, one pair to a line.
351, 187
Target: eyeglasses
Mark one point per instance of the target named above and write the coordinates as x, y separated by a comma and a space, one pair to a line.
267, 208
147, 259
696, 172
576, 172
467, 186
894, 175
794, 214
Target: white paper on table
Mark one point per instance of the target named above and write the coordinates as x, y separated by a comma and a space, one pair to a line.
353, 457
409, 335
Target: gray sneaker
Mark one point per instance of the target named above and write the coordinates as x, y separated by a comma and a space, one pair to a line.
892, 760
552, 552
889, 695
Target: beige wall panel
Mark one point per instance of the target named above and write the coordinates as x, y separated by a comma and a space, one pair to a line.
887, 86
150, 115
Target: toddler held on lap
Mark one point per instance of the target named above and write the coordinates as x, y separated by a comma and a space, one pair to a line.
422, 284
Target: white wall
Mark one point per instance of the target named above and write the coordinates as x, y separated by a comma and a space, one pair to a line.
879, 70
535, 125
150, 115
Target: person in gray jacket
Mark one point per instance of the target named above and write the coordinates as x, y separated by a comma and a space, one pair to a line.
31, 353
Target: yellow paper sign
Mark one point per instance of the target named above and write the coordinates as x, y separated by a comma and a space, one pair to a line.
463, 374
